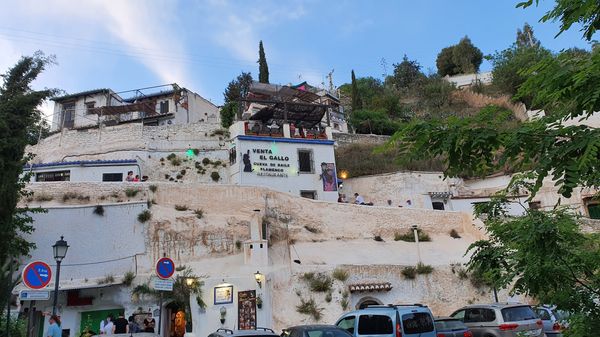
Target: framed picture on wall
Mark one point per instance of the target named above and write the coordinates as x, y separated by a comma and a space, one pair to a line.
223, 295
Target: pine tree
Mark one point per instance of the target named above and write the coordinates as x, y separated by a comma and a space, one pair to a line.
263, 68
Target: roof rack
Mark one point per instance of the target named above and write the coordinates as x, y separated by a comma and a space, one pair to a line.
226, 330
395, 305
265, 329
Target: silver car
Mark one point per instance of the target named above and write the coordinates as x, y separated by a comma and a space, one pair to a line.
500, 320
554, 321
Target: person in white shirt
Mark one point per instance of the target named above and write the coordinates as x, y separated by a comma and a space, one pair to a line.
109, 326
358, 199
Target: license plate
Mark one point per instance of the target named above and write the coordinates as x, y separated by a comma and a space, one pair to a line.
535, 332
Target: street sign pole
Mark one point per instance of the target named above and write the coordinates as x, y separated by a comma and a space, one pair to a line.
29, 318
160, 305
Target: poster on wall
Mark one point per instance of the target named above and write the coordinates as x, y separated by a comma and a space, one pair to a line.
329, 177
247, 310
223, 295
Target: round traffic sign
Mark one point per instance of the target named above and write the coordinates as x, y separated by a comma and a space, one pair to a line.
37, 275
165, 268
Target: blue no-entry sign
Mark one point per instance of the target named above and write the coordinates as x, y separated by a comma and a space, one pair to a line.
37, 275
165, 268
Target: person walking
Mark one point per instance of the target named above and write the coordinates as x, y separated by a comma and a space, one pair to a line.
121, 324
54, 329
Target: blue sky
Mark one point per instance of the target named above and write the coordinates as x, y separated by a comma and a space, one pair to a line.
202, 45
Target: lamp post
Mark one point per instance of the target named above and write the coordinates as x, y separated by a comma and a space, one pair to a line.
415, 229
60, 251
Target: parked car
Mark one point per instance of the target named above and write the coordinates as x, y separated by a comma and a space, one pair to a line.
500, 320
414, 320
451, 327
258, 332
554, 321
315, 331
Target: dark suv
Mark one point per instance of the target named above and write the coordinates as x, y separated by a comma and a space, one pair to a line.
500, 320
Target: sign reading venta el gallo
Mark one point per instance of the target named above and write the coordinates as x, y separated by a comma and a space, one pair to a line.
266, 163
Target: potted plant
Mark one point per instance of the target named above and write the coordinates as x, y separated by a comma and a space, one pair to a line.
259, 302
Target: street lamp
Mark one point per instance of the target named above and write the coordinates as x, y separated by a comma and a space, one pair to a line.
258, 278
60, 251
416, 232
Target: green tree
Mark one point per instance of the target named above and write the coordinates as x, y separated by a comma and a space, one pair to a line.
462, 58
373, 122
510, 64
525, 37
236, 90
263, 68
568, 12
407, 73
19, 118
356, 100
445, 64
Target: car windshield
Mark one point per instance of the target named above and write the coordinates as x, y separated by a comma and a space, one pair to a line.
417, 322
449, 325
326, 333
514, 314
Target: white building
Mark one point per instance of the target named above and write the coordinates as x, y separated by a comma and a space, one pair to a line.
83, 170
468, 80
91, 108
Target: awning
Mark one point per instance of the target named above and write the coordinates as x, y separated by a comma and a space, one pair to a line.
385, 286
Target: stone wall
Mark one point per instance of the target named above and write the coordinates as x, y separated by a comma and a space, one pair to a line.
119, 142
342, 139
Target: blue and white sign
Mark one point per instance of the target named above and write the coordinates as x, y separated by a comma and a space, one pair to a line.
163, 285
37, 275
34, 295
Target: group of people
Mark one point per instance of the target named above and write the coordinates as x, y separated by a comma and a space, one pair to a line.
122, 325
358, 199
131, 178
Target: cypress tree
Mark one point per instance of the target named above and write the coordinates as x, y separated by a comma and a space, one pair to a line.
356, 103
263, 68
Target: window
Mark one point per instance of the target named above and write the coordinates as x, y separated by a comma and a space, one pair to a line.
594, 211
347, 323
459, 315
375, 325
449, 325
417, 323
437, 205
543, 314
112, 176
513, 314
68, 115
475, 315
305, 161
164, 107
308, 194
89, 106
53, 176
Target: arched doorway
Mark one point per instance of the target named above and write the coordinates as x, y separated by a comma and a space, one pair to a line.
366, 301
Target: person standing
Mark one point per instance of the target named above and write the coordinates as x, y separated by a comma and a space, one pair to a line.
149, 324
129, 177
54, 329
121, 324
109, 326
133, 326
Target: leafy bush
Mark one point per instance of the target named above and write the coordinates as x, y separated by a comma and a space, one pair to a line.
409, 236
409, 272
328, 297
181, 208
215, 176
373, 122
424, 269
131, 192
153, 188
205, 161
99, 210
108, 279
378, 238
308, 276
344, 301
171, 156
176, 161
238, 244
454, 234
199, 213
320, 283
144, 216
18, 327
43, 197
309, 307
340, 274
128, 278
183, 172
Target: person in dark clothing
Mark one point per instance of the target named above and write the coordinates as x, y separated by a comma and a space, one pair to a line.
149, 324
121, 324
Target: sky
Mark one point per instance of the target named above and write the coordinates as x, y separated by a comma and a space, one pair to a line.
204, 44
